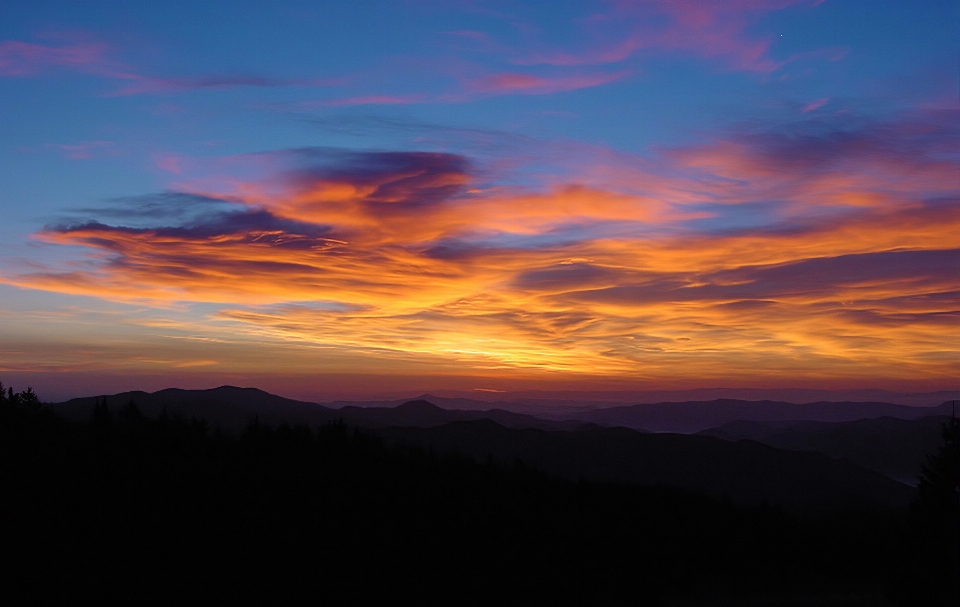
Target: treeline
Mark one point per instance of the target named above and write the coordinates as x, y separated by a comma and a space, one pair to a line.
161, 511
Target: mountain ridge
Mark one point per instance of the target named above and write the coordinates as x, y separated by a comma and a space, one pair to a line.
745, 471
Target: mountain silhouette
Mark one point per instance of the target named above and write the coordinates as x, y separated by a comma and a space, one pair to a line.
894, 447
746, 472
777, 467
227, 407
231, 409
694, 416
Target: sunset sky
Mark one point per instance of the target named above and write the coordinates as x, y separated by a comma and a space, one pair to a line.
346, 199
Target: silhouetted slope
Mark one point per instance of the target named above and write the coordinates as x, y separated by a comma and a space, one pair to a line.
231, 409
227, 407
790, 395
125, 509
745, 471
894, 447
423, 414
688, 417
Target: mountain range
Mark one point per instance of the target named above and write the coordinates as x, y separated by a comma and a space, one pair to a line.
893, 447
794, 455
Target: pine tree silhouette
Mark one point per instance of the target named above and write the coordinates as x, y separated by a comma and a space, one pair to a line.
939, 487
937, 509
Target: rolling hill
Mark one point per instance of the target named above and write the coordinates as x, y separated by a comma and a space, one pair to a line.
784, 471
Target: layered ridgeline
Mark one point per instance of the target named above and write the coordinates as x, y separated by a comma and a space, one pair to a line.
120, 505
813, 463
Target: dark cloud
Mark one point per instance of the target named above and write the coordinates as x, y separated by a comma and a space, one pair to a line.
175, 207
566, 277
877, 318
827, 274
404, 179
808, 277
823, 145
455, 250
251, 226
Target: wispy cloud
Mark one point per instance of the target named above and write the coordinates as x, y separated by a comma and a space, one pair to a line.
717, 31
530, 84
814, 105
370, 100
23, 59
19, 58
480, 87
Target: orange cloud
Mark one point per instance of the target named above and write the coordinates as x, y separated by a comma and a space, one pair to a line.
825, 254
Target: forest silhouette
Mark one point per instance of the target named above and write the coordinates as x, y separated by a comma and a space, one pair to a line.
122, 507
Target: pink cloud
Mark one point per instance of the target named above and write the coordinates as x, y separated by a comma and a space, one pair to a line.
25, 59
814, 105
536, 85
484, 86
18, 58
374, 100
172, 163
711, 30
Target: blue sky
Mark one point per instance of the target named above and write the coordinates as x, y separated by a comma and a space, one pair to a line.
430, 158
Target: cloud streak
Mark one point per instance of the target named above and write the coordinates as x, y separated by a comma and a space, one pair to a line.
25, 59
19, 58
716, 31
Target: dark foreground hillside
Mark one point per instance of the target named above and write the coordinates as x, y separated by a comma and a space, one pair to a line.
123, 508
745, 472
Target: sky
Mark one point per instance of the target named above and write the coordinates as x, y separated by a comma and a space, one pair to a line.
341, 200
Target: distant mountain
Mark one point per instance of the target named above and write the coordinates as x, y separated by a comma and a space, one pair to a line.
563, 406
689, 417
421, 413
231, 409
894, 447
744, 471
227, 407
547, 400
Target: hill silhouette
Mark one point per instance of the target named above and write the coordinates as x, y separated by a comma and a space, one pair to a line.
894, 447
746, 472
695, 416
126, 508
422, 413
227, 407
231, 409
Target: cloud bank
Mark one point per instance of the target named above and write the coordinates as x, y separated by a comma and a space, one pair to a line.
822, 249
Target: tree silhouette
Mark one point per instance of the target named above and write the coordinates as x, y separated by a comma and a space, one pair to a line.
937, 509
29, 400
102, 416
939, 487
